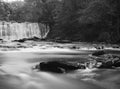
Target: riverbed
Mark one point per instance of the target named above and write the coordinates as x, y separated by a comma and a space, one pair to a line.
16, 68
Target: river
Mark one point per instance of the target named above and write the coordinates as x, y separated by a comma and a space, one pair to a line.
16, 71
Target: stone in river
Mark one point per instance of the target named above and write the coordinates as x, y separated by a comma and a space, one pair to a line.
58, 67
108, 61
115, 46
20, 40
98, 53
99, 47
26, 39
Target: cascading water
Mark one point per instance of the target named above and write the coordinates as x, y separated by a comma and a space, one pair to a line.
15, 31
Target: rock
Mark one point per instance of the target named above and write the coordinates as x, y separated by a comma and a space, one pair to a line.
21, 40
34, 38
91, 64
108, 61
1, 40
107, 64
43, 39
58, 46
98, 53
26, 39
63, 41
58, 67
99, 47
74, 47
115, 46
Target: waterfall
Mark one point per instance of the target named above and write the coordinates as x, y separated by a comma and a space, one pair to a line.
15, 31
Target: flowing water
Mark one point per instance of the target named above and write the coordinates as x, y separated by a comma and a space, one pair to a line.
16, 31
16, 71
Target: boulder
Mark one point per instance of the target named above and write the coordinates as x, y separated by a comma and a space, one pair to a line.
58, 67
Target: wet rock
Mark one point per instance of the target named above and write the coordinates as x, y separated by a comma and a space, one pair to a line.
58, 67
74, 47
115, 46
26, 39
63, 41
98, 53
34, 38
21, 40
108, 61
91, 64
57, 46
43, 39
99, 47
1, 40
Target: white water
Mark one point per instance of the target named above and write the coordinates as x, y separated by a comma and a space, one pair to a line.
16, 69
15, 31
16, 73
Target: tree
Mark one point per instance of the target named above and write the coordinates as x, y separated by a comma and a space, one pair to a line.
87, 19
5, 11
50, 12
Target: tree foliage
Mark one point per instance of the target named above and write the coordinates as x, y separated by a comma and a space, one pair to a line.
84, 20
87, 20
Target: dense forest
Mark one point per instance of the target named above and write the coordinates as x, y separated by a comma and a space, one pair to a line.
75, 20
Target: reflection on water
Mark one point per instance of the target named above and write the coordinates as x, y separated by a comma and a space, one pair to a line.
16, 73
